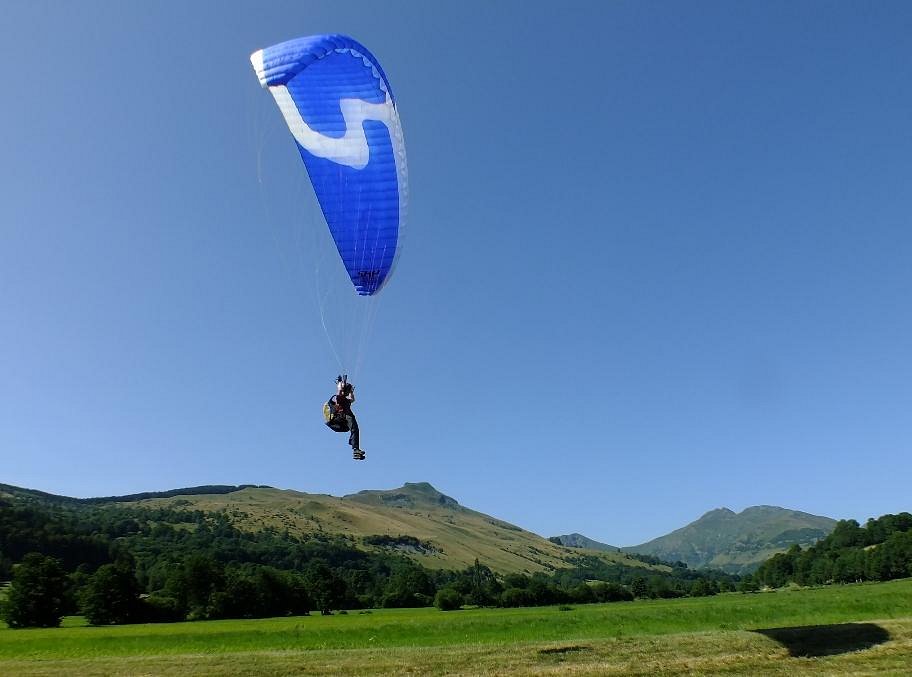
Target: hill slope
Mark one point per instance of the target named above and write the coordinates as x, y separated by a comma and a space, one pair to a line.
737, 542
415, 519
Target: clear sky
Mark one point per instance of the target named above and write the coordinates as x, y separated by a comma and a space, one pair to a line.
657, 262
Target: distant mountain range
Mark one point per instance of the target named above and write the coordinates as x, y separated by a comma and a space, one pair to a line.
435, 530
579, 541
722, 539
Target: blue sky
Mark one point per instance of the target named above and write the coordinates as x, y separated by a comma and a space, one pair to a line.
658, 258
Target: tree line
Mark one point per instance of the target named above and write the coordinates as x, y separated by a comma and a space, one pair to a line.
879, 551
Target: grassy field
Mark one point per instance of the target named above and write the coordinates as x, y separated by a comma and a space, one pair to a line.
856, 629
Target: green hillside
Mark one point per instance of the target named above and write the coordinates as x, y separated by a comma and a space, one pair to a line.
416, 519
737, 542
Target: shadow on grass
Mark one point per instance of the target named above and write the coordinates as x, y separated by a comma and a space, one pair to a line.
557, 650
827, 640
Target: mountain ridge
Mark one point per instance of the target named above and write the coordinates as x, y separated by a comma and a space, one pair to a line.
415, 520
577, 540
128, 498
737, 542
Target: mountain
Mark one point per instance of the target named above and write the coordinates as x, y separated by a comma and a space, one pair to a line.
575, 540
11, 490
433, 529
415, 520
737, 542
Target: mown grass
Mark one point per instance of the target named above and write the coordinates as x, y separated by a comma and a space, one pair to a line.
685, 635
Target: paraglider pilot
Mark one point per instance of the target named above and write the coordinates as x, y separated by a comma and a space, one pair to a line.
344, 398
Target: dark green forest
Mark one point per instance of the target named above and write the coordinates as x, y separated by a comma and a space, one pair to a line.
117, 563
879, 551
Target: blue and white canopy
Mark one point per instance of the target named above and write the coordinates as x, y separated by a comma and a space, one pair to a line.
341, 111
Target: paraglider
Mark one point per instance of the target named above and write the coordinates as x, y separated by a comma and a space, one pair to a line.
338, 414
340, 109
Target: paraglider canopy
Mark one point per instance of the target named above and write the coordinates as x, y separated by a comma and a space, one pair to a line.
340, 109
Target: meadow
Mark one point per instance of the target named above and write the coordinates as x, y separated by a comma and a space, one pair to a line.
850, 629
